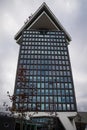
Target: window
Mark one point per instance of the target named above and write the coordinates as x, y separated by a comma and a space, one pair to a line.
34, 99
38, 91
63, 92
70, 85
72, 107
63, 99
59, 107
51, 106
68, 106
67, 99
38, 98
71, 92
64, 107
47, 99
38, 85
42, 92
59, 99
47, 107
46, 91
17, 91
71, 99
42, 106
42, 98
67, 92
50, 92
59, 92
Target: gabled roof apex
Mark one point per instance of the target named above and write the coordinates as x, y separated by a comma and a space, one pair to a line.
52, 17
43, 4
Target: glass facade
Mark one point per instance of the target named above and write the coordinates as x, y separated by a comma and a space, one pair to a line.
44, 73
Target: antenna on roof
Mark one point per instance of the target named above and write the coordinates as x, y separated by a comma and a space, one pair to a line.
30, 16
26, 21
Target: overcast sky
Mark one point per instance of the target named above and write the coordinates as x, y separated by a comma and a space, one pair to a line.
73, 16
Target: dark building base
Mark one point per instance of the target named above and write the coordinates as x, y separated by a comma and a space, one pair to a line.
40, 123
7, 123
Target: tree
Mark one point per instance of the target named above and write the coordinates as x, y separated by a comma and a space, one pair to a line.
21, 111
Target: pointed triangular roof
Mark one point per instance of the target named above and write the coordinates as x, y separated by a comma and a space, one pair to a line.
43, 18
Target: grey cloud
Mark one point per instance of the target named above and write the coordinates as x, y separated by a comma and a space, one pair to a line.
78, 53
74, 19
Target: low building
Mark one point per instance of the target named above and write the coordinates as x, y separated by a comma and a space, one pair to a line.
8, 122
81, 121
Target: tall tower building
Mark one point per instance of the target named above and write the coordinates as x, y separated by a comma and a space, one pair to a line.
44, 76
